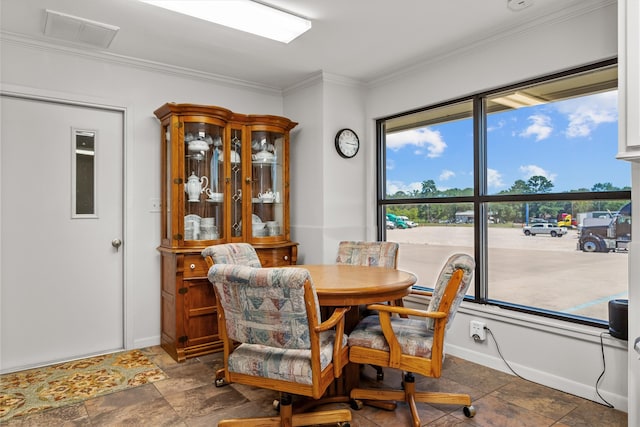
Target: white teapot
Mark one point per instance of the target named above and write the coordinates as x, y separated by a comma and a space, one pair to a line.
195, 186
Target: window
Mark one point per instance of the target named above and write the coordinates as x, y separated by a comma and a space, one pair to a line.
525, 179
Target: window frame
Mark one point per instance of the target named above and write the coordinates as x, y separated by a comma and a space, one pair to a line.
480, 198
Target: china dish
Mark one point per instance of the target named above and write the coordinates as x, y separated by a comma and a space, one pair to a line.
263, 156
260, 232
215, 197
192, 218
235, 157
198, 145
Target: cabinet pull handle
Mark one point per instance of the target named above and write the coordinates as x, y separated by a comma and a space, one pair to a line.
192, 266
248, 180
286, 258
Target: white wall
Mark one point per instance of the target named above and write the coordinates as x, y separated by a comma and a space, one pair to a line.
328, 203
45, 70
558, 354
307, 168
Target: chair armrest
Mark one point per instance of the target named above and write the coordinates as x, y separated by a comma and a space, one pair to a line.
407, 311
209, 261
337, 320
337, 316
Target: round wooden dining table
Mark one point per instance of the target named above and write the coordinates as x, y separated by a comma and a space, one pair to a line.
342, 285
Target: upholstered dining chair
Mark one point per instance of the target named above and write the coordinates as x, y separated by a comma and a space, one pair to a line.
231, 253
378, 254
273, 338
381, 254
414, 344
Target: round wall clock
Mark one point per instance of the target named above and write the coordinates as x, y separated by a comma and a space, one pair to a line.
347, 143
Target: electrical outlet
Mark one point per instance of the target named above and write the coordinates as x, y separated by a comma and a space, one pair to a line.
477, 330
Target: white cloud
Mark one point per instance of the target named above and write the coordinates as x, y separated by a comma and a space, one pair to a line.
497, 126
540, 127
446, 174
394, 186
391, 164
423, 138
586, 113
494, 178
533, 170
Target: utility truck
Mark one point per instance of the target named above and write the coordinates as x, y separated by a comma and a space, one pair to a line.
565, 220
606, 234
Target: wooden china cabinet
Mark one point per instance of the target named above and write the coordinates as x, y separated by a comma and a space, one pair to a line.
225, 178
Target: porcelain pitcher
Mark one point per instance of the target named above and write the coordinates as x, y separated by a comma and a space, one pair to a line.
195, 186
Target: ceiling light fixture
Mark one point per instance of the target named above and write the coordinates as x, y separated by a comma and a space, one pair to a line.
244, 15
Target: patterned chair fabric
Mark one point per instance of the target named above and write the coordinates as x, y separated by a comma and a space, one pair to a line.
233, 253
265, 310
414, 338
381, 254
455, 261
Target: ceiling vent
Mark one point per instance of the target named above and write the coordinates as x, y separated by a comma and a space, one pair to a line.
516, 5
79, 30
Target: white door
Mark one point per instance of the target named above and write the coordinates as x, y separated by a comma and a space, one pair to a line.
61, 220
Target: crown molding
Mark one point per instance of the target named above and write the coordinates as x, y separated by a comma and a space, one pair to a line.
37, 44
324, 77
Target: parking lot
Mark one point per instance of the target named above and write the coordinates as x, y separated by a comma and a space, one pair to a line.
541, 271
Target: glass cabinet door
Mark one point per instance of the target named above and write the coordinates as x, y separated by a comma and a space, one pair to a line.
204, 181
267, 188
236, 175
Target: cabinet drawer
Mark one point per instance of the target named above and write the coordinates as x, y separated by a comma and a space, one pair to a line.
195, 266
274, 257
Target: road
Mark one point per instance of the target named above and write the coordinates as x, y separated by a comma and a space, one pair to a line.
541, 271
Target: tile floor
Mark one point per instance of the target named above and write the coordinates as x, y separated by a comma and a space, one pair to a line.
189, 398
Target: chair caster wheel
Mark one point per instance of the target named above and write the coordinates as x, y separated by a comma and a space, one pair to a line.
220, 382
356, 404
380, 376
469, 411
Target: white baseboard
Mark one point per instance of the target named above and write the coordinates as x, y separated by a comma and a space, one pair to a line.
544, 378
147, 342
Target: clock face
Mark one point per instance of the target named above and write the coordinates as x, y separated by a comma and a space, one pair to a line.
347, 143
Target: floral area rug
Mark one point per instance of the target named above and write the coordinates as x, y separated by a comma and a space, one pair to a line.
34, 390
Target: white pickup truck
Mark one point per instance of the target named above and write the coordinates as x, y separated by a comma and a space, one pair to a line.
544, 228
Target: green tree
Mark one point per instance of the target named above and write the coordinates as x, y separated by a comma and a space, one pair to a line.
603, 186
429, 188
518, 187
539, 184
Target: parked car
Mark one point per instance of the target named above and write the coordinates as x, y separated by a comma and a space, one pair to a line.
544, 228
390, 225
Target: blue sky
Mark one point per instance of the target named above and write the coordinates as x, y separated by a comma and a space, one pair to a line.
573, 143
